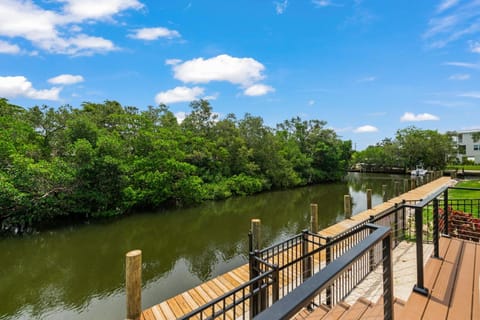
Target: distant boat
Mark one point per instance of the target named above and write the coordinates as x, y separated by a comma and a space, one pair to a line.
419, 171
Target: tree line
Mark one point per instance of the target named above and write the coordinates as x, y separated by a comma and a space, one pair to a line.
105, 159
410, 147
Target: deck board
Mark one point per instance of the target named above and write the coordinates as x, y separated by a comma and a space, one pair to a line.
461, 305
177, 306
476, 286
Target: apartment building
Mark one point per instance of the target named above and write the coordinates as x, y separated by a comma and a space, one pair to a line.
468, 145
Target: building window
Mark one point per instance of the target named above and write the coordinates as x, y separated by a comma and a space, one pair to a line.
460, 138
476, 147
462, 149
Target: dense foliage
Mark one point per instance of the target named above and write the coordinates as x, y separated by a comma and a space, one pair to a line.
106, 159
410, 147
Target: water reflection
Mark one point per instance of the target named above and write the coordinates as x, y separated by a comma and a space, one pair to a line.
78, 272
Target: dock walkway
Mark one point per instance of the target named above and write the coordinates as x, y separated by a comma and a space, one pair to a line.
185, 302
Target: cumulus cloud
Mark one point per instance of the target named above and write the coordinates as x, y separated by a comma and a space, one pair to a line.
57, 30
66, 79
80, 10
365, 129
154, 33
19, 86
410, 117
281, 6
179, 94
258, 90
243, 71
459, 76
8, 48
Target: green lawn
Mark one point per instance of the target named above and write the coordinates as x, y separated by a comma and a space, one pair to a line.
465, 194
465, 167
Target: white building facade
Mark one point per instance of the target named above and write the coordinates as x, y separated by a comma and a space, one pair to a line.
468, 145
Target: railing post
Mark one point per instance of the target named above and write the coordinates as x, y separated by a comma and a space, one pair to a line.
419, 287
387, 278
395, 224
306, 261
256, 287
133, 284
404, 218
314, 218
436, 250
347, 206
371, 252
369, 199
445, 213
328, 259
276, 285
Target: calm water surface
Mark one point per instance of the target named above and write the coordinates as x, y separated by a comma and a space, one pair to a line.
78, 272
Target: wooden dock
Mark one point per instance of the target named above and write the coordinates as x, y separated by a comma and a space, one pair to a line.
185, 302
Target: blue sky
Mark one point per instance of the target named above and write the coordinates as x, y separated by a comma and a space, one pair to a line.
366, 67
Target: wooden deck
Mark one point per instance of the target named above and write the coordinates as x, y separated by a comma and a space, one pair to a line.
185, 302
453, 284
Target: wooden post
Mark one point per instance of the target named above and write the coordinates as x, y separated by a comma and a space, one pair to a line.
256, 233
405, 186
369, 199
384, 193
133, 284
413, 183
314, 218
347, 205
396, 188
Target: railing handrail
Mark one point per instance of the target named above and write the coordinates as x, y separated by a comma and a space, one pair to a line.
300, 296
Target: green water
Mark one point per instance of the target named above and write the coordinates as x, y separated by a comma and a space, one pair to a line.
78, 272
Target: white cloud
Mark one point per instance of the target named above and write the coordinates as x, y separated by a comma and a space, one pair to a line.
66, 79
79, 10
258, 90
410, 117
449, 104
311, 102
58, 31
179, 94
367, 79
446, 4
280, 7
452, 25
181, 115
463, 64
472, 94
154, 33
459, 76
322, 3
172, 62
19, 86
8, 48
475, 46
366, 129
243, 71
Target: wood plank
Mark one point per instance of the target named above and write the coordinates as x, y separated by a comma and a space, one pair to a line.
166, 310
176, 310
336, 311
147, 315
357, 310
476, 287
416, 303
441, 292
158, 313
461, 306
318, 313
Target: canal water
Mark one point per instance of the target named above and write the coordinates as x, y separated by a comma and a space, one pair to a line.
77, 272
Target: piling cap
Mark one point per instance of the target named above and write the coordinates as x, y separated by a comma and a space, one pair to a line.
134, 253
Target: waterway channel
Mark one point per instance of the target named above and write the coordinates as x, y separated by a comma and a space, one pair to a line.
77, 272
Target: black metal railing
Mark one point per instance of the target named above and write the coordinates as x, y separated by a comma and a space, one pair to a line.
315, 288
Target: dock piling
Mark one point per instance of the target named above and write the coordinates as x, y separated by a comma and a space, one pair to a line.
133, 284
314, 217
255, 228
347, 206
369, 199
